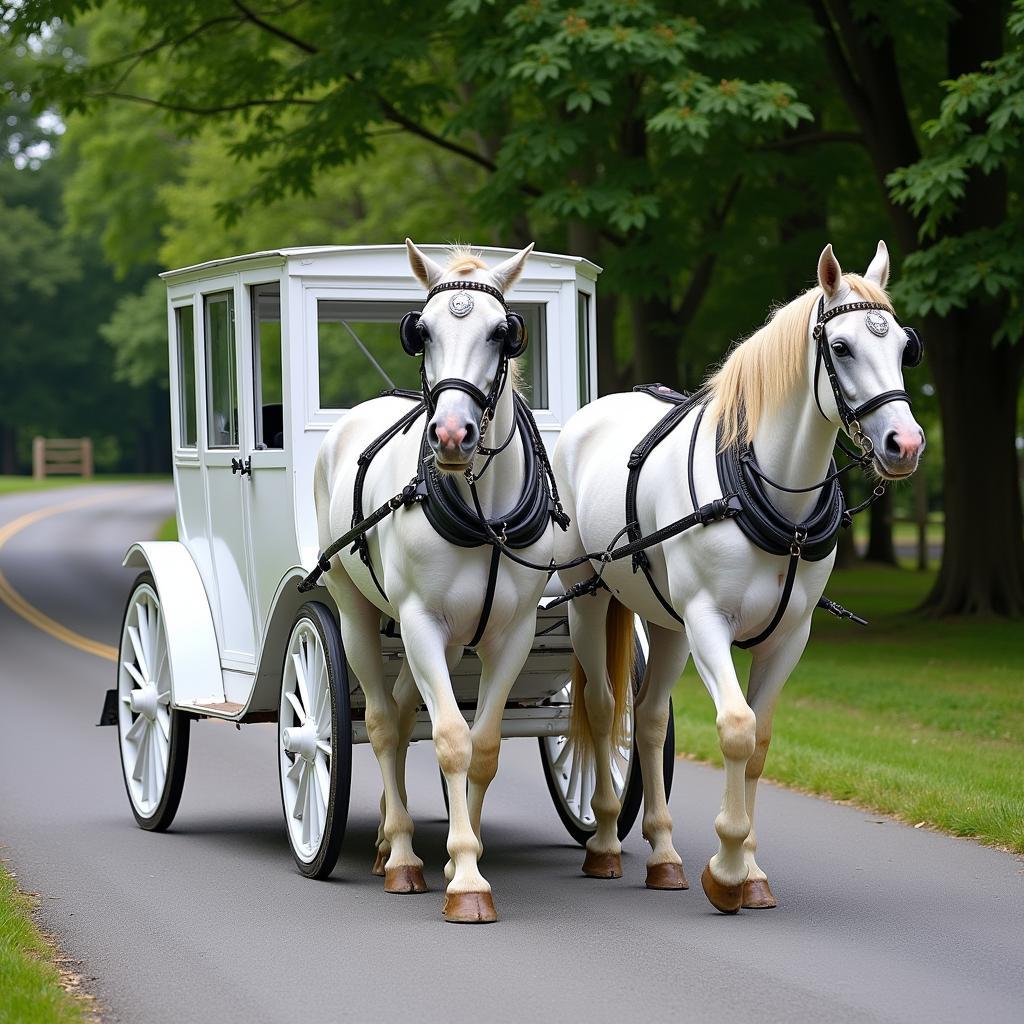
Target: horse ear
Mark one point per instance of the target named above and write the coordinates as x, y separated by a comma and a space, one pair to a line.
427, 272
830, 274
506, 274
878, 269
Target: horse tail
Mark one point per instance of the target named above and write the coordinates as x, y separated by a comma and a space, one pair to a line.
619, 659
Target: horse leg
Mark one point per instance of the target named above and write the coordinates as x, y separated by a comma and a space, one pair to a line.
724, 875
468, 896
501, 659
669, 651
407, 699
588, 625
768, 673
360, 625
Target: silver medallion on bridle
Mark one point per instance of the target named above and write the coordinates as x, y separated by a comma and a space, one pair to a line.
460, 304
877, 324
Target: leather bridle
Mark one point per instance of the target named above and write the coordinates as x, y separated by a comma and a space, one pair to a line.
850, 415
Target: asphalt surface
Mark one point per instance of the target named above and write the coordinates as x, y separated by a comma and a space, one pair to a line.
876, 921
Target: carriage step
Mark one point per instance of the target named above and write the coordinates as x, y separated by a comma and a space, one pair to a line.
224, 708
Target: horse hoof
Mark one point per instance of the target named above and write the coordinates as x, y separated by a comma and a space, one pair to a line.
378, 864
757, 895
666, 876
725, 898
602, 865
469, 908
406, 878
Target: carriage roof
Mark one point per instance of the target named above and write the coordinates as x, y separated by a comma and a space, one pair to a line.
492, 253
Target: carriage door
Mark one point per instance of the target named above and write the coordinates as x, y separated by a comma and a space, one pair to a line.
226, 451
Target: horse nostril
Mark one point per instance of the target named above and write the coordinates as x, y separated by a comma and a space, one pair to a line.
892, 445
432, 436
469, 442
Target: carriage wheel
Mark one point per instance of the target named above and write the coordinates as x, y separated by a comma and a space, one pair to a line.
152, 736
571, 783
315, 741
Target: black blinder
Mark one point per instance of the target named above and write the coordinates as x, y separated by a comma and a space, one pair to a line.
411, 335
517, 338
913, 351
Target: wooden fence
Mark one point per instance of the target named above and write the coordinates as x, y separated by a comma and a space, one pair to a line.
61, 456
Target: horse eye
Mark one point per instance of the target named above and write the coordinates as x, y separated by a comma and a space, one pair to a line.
421, 329
499, 334
841, 349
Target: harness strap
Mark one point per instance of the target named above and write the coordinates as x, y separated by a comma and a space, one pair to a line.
485, 611
787, 592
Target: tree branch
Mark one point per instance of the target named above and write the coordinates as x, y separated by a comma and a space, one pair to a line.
275, 31
179, 108
853, 93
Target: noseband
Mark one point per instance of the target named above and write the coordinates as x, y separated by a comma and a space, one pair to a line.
849, 414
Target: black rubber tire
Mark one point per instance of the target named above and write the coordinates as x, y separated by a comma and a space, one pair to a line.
322, 620
177, 760
633, 795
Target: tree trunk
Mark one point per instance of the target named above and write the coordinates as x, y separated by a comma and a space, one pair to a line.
654, 340
880, 546
8, 450
846, 550
983, 554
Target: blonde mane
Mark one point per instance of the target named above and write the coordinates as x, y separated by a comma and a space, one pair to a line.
761, 372
462, 260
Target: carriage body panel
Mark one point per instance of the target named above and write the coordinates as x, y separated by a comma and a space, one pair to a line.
267, 351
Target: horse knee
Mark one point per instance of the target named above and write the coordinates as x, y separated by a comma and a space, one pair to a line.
381, 729
737, 732
453, 745
483, 765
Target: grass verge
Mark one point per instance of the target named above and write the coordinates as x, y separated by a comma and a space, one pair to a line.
17, 484
168, 529
918, 718
30, 984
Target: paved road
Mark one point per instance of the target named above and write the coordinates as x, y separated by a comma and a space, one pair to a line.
877, 922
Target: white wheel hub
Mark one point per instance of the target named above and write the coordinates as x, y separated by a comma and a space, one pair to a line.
144, 689
305, 740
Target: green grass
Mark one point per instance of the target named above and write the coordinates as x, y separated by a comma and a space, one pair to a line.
919, 718
168, 529
17, 484
30, 989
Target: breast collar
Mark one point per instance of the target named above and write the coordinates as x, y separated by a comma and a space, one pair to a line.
849, 414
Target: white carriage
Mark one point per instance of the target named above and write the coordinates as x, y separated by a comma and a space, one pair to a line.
267, 351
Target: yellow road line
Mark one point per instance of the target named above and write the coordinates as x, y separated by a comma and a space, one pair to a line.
10, 597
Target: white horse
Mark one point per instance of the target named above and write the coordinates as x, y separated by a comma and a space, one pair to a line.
435, 589
769, 392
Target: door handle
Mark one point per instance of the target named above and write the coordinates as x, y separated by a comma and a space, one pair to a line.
238, 466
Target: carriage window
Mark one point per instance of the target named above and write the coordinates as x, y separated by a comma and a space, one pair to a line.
221, 375
533, 364
583, 346
359, 352
186, 332
266, 354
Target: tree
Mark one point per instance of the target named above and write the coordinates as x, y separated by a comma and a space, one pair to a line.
963, 282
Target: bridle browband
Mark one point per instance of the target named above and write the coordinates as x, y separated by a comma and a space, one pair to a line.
849, 414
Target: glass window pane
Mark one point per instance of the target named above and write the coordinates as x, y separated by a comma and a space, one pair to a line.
583, 346
532, 365
221, 372
186, 332
266, 353
360, 354
359, 351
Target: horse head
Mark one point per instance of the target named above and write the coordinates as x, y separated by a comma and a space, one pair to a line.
863, 349
466, 335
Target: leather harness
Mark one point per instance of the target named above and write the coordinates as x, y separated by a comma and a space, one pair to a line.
741, 479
